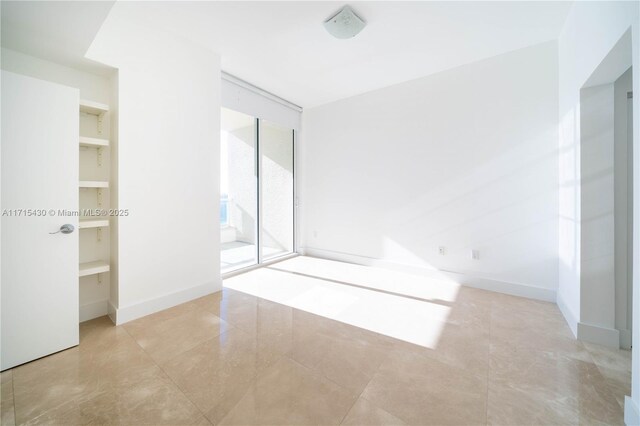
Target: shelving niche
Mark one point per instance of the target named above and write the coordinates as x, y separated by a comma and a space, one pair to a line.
94, 153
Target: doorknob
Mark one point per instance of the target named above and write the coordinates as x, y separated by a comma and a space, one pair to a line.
67, 228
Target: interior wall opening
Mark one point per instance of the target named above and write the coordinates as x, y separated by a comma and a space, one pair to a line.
606, 201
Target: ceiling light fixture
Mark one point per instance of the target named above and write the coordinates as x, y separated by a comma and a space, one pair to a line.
344, 24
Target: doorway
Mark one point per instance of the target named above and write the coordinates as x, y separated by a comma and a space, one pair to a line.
606, 201
256, 191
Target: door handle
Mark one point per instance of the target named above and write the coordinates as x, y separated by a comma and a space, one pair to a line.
67, 228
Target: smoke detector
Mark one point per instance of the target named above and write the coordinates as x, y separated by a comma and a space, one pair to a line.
344, 24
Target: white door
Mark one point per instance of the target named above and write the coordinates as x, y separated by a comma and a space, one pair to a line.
39, 151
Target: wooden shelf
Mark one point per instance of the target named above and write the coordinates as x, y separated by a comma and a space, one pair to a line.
93, 223
93, 184
92, 268
93, 142
95, 108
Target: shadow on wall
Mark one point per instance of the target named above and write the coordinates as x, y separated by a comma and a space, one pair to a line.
465, 160
485, 211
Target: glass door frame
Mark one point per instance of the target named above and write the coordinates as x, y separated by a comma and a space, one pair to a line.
259, 214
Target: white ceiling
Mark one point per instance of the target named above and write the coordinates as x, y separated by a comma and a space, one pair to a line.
283, 48
57, 31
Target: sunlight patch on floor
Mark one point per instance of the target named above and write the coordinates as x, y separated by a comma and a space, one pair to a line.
339, 291
434, 288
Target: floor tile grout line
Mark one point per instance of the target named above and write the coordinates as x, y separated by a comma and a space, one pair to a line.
183, 392
360, 395
13, 395
197, 306
252, 384
165, 373
355, 401
175, 356
593, 361
401, 418
486, 400
254, 381
320, 375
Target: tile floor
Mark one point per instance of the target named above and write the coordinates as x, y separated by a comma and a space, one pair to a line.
234, 358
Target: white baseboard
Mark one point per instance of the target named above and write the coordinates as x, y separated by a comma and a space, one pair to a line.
631, 414
625, 339
121, 315
111, 311
568, 314
595, 334
591, 333
514, 289
93, 310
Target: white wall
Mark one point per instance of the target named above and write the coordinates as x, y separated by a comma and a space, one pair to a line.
465, 159
94, 296
592, 29
168, 164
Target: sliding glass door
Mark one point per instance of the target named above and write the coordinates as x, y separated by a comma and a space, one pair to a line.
256, 191
238, 191
276, 167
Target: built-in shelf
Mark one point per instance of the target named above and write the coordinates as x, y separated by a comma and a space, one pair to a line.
93, 142
93, 184
92, 268
93, 223
95, 108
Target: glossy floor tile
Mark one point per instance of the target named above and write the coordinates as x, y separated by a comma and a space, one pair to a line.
7, 411
416, 351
